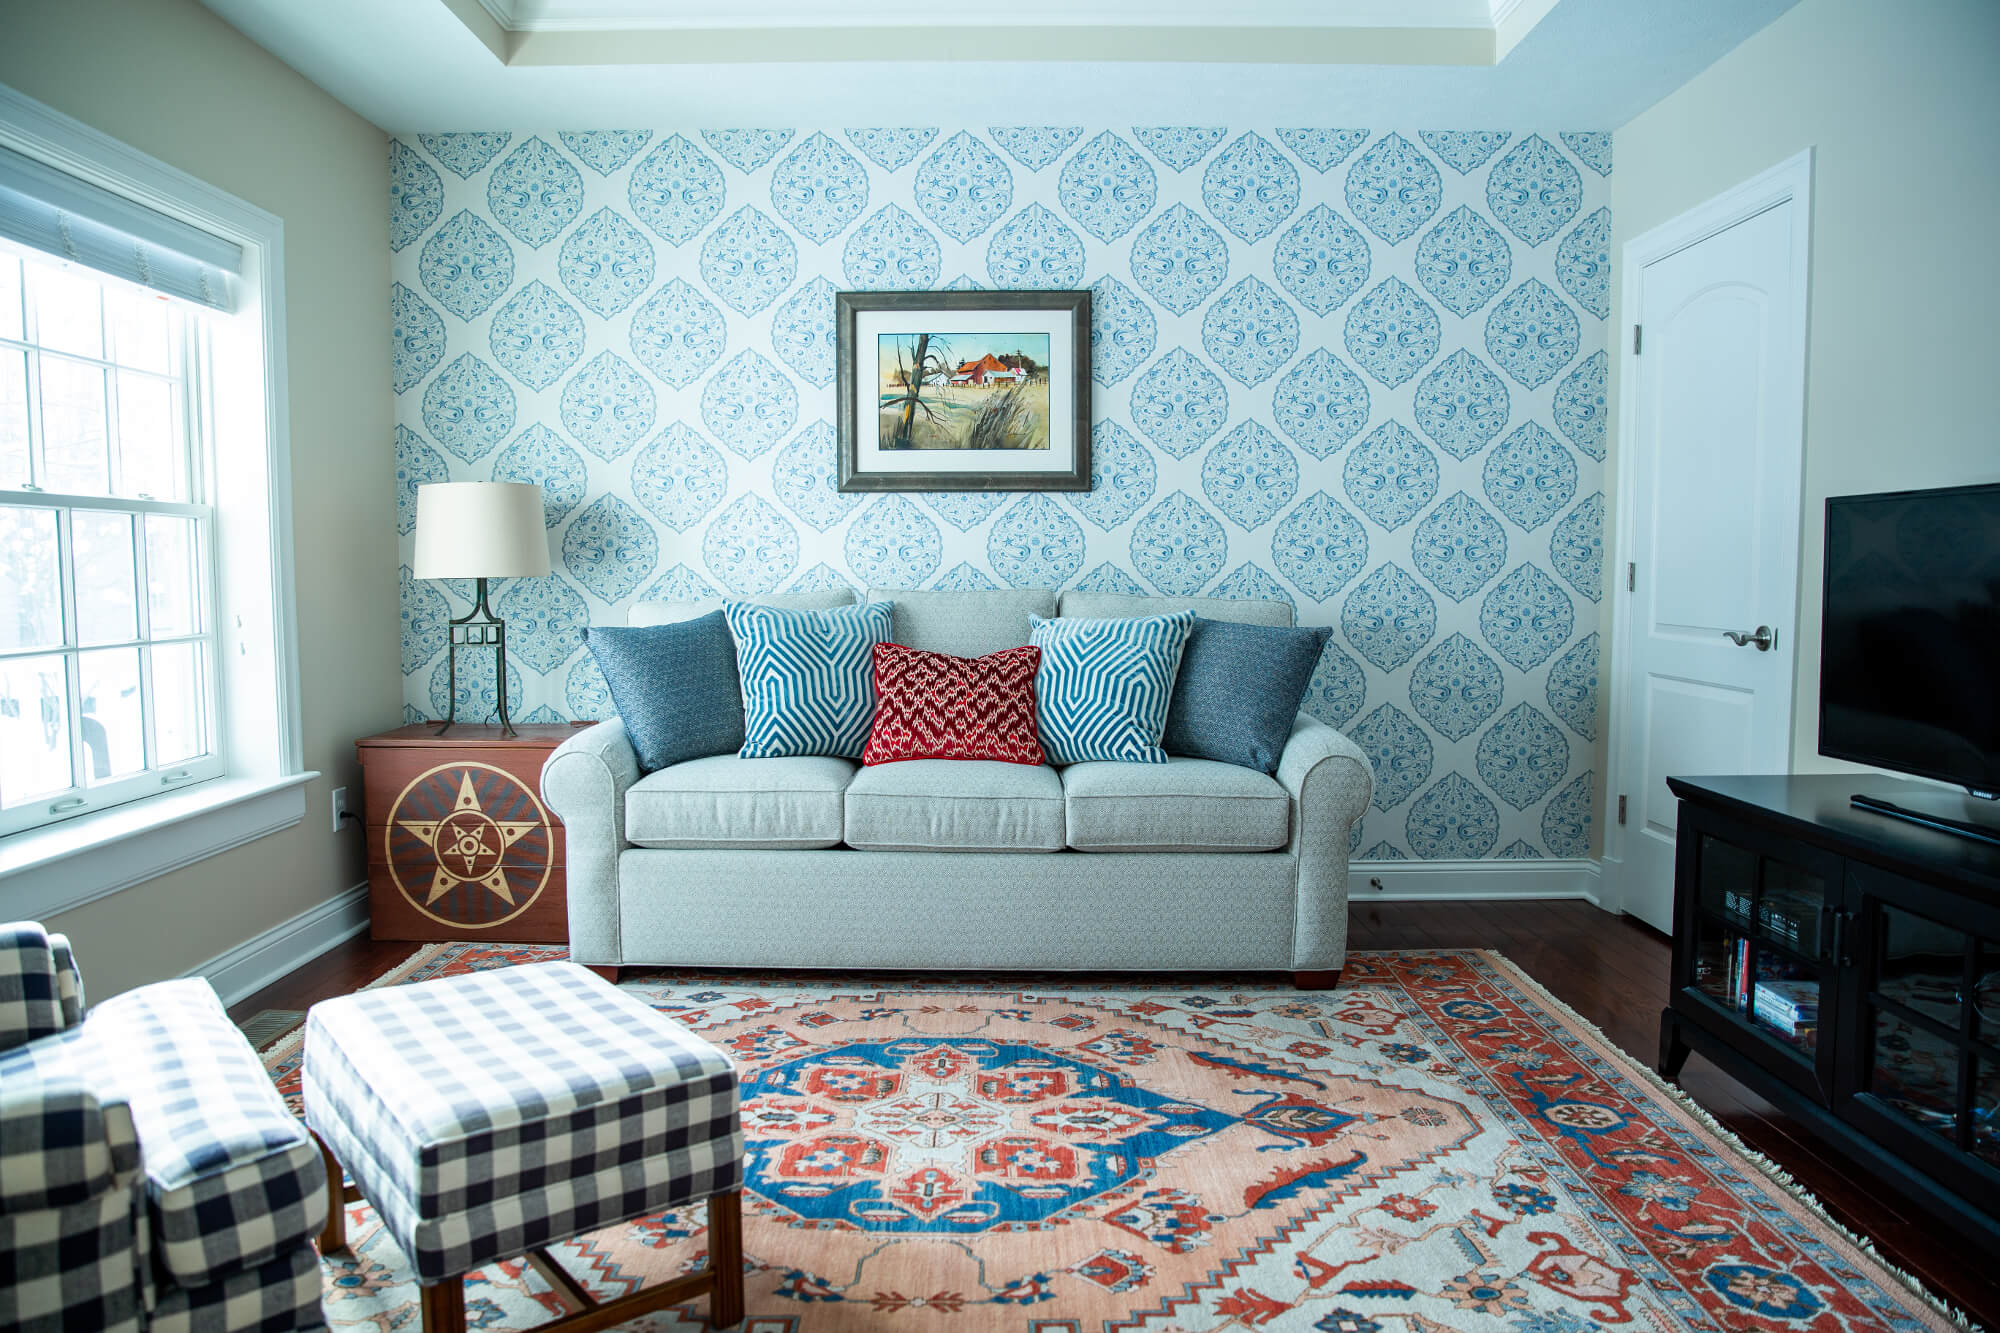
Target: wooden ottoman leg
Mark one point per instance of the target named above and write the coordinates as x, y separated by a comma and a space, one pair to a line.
444, 1306
334, 1235
1322, 980
725, 1259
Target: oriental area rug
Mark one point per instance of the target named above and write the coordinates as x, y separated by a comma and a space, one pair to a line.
1437, 1146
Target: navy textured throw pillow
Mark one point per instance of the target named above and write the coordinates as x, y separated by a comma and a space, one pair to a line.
675, 686
1239, 691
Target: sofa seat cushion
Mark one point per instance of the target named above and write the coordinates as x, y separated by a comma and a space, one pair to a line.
1183, 805
726, 801
955, 805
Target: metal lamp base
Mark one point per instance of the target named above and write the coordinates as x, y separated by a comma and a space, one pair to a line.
479, 628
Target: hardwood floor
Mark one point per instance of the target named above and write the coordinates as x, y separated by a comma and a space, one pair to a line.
1610, 969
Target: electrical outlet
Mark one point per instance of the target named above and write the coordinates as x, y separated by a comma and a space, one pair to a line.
340, 814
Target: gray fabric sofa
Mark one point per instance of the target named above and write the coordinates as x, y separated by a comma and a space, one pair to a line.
821, 863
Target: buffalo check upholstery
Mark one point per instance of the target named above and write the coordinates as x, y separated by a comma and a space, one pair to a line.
71, 1209
492, 1114
150, 1176
232, 1180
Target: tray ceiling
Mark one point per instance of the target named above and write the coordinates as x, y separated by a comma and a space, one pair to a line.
451, 64
629, 32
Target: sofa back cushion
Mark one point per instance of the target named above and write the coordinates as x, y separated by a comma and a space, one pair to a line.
1104, 685
668, 613
808, 677
1115, 605
966, 624
674, 685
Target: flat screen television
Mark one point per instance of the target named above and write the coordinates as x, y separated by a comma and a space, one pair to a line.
1910, 653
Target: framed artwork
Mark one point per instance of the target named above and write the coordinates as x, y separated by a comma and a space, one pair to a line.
963, 391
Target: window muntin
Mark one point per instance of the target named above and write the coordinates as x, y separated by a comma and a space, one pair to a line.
108, 689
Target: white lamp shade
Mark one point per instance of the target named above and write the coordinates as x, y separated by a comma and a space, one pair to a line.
480, 530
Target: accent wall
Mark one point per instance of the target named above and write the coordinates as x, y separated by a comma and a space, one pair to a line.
1360, 371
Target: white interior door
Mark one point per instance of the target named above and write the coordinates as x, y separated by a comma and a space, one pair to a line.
1713, 491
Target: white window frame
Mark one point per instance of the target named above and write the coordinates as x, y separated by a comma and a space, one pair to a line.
82, 798
260, 787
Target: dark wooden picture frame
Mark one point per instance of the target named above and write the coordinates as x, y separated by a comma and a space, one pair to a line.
849, 305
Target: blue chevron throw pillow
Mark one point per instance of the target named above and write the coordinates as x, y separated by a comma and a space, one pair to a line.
1103, 687
808, 677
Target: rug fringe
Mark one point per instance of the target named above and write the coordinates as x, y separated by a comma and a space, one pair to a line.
1771, 1170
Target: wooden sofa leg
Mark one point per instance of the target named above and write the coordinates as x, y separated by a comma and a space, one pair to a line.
608, 971
444, 1306
1316, 980
332, 1237
725, 1259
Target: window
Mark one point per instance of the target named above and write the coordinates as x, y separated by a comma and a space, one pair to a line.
107, 650
149, 676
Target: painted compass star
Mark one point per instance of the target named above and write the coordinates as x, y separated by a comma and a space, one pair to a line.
469, 845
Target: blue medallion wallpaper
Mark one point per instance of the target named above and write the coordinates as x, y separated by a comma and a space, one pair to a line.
1359, 370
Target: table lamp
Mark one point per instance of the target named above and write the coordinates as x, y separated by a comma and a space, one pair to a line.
480, 530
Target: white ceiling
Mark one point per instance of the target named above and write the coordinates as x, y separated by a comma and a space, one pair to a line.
423, 65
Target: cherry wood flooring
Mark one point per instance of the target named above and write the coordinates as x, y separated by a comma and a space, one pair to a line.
1610, 969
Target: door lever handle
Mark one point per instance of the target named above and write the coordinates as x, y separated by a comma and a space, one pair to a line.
1763, 636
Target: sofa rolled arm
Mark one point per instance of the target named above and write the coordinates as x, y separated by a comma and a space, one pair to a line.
1330, 781
584, 784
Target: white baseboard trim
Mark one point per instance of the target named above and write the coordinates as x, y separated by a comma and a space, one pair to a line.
256, 963
1407, 881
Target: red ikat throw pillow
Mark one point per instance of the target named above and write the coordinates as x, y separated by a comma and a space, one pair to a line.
933, 706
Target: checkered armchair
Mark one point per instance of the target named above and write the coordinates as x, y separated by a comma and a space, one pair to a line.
150, 1175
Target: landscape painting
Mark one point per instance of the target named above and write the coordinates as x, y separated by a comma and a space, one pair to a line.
963, 390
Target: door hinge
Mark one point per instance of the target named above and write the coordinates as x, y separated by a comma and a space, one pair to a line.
1635, 340
1631, 576
1621, 809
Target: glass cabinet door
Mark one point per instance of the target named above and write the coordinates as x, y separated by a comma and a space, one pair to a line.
1762, 930
1916, 1013
1928, 1067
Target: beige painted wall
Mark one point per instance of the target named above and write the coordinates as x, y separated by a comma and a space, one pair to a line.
1902, 104
171, 79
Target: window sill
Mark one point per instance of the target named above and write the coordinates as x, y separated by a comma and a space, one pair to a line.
50, 870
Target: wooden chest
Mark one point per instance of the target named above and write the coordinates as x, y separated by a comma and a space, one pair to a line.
460, 846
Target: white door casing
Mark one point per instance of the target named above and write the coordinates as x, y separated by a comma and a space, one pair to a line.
1712, 433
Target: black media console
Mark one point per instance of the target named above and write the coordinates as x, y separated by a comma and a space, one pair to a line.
1846, 966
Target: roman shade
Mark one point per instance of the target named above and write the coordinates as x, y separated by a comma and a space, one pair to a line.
50, 210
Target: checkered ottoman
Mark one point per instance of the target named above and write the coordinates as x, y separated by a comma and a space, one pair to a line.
490, 1115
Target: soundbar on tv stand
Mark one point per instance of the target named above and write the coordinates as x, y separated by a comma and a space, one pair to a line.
1967, 814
